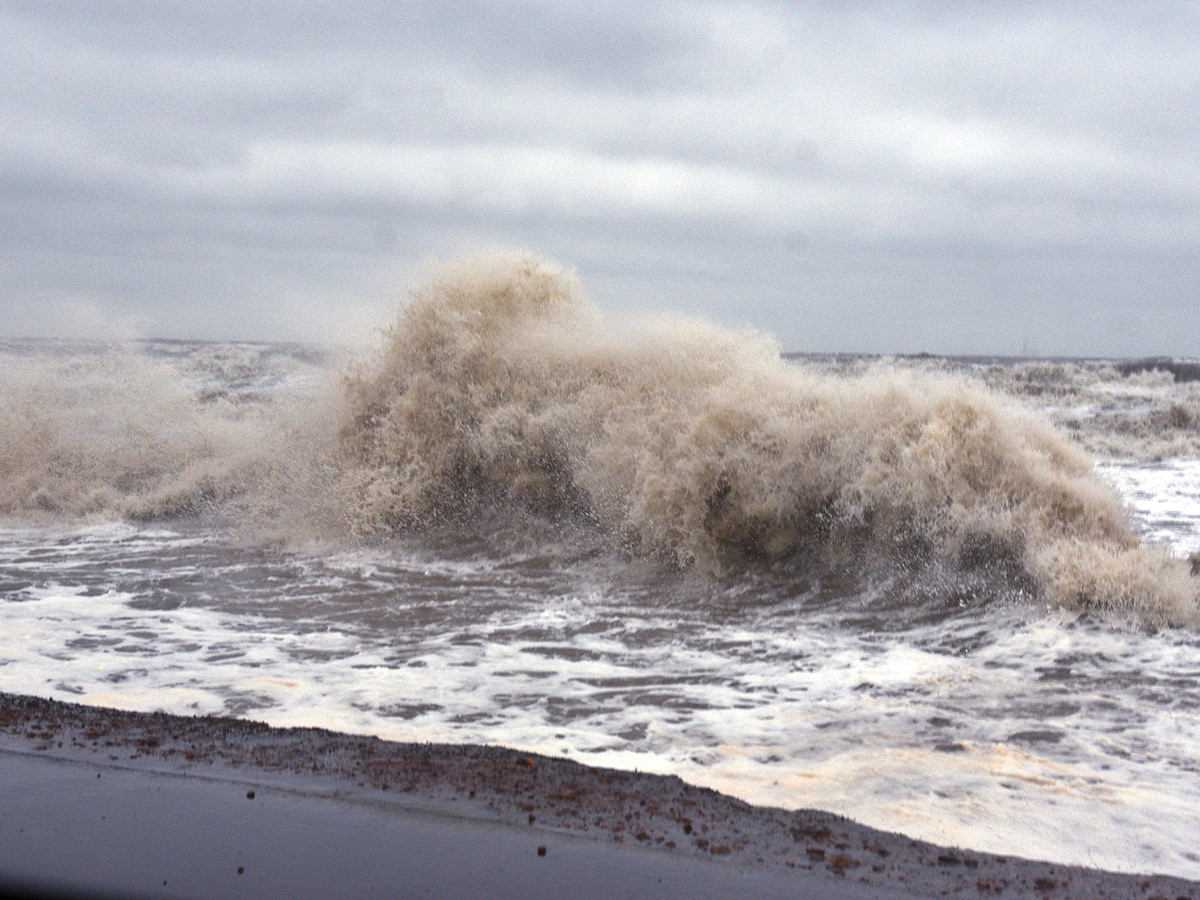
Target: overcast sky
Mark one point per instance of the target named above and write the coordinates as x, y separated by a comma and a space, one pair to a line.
875, 177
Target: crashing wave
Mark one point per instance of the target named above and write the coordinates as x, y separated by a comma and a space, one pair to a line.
705, 449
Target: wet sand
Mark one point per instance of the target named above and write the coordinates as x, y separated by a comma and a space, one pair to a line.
100, 802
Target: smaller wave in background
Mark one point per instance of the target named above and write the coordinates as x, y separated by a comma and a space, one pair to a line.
1147, 409
97, 431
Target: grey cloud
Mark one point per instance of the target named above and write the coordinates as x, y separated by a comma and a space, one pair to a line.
886, 176
570, 39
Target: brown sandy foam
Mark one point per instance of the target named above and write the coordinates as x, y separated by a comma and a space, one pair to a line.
532, 791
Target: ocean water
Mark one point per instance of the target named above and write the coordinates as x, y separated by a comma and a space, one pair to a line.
946, 597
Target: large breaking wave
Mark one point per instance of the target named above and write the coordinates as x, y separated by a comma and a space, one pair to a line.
498, 387
705, 449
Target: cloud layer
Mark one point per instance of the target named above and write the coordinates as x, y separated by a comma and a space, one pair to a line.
882, 177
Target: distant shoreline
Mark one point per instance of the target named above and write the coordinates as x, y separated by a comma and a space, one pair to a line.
1130, 364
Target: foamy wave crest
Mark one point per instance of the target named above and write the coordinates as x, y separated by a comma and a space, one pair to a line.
682, 441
